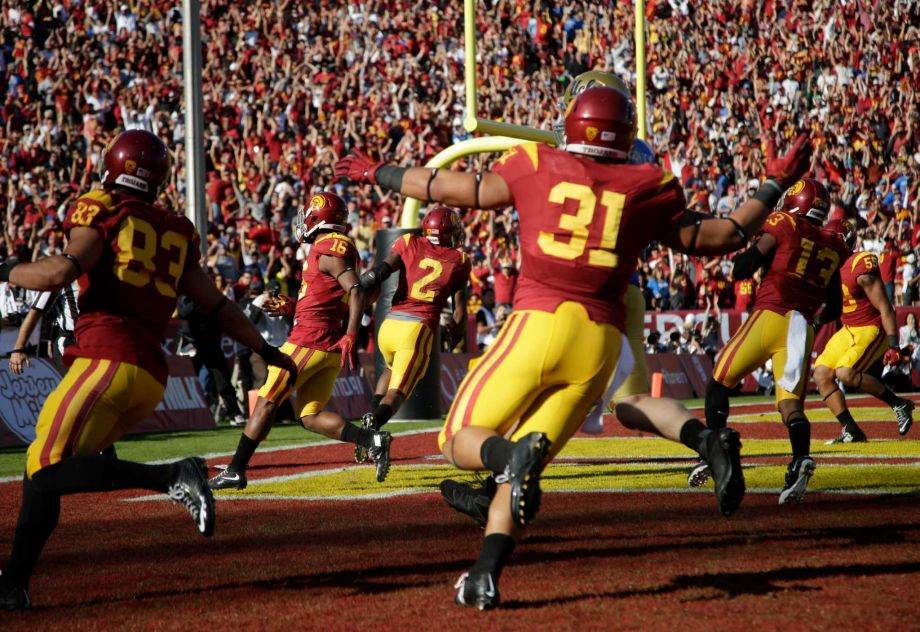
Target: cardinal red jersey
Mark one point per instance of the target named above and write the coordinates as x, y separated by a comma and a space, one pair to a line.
744, 293
322, 302
128, 297
804, 261
858, 310
430, 275
583, 226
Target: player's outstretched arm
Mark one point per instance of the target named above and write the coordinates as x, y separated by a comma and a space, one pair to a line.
53, 273
453, 188
705, 235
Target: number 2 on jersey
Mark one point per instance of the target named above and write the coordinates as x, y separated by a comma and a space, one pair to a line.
165, 281
577, 224
418, 291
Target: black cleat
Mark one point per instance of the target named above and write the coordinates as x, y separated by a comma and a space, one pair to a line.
723, 453
699, 474
229, 479
857, 436
191, 490
523, 474
904, 413
472, 501
797, 475
477, 590
380, 453
367, 423
13, 596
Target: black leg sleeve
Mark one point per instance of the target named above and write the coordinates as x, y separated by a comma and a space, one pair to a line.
716, 405
38, 517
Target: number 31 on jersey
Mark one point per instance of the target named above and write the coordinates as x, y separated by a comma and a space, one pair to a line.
577, 224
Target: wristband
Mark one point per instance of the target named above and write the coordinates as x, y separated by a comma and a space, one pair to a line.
5, 269
739, 229
24, 350
893, 342
75, 262
390, 177
769, 193
434, 174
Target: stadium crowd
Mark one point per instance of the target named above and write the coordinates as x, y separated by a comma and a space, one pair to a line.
289, 87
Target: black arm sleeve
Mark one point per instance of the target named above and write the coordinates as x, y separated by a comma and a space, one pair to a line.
376, 275
748, 262
833, 300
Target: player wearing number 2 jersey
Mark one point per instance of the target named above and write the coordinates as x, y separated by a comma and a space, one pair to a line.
431, 271
803, 261
319, 344
869, 328
585, 216
131, 257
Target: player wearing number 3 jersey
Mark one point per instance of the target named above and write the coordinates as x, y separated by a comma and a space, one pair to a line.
585, 217
431, 271
132, 257
803, 261
869, 331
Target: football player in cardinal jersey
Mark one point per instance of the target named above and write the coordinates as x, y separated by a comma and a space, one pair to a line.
431, 271
318, 343
803, 262
131, 257
585, 217
869, 328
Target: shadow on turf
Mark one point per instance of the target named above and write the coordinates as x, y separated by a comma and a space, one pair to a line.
731, 585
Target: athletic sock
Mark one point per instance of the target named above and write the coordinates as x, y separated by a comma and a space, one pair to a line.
800, 437
496, 549
358, 435
38, 517
375, 401
98, 473
890, 398
244, 451
495, 453
717, 403
382, 414
846, 420
693, 435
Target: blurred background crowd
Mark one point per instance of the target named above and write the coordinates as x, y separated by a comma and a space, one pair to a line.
290, 86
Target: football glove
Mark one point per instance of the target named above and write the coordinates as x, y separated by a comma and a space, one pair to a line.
358, 167
279, 306
791, 166
892, 357
346, 345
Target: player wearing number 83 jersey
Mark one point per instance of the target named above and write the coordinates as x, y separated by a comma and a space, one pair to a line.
431, 271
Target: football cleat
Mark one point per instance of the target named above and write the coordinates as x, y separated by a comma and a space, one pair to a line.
857, 436
191, 490
699, 474
477, 590
472, 501
367, 423
13, 596
380, 453
238, 421
723, 452
904, 413
797, 475
229, 479
523, 472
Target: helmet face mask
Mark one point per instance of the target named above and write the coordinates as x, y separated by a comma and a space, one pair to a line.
138, 161
807, 197
600, 123
846, 228
326, 212
441, 226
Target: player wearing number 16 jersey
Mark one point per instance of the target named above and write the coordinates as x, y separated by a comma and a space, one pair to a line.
431, 271
803, 261
132, 257
869, 329
585, 216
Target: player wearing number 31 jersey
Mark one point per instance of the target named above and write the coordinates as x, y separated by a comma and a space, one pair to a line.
869, 329
803, 261
585, 217
431, 271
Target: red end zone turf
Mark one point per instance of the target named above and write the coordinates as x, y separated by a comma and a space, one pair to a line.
593, 561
